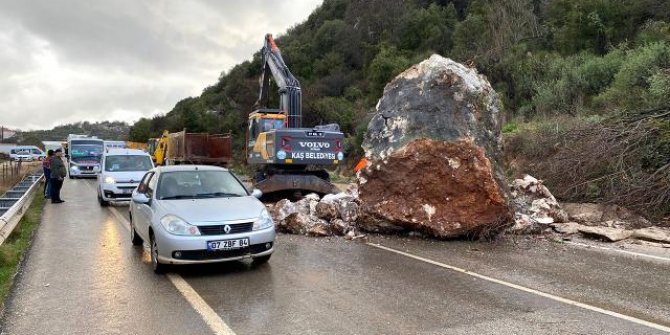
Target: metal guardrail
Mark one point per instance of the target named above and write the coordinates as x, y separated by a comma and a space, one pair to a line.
15, 202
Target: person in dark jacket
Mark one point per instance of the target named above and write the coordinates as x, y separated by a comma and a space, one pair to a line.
46, 167
58, 174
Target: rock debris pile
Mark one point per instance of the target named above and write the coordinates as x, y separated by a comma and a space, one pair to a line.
537, 211
334, 214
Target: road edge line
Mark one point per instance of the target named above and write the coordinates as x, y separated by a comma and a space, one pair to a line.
213, 320
124, 222
528, 290
633, 253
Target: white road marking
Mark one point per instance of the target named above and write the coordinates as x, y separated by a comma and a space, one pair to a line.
640, 254
528, 290
124, 222
210, 317
213, 320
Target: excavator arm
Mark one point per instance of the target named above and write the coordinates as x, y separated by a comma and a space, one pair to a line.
290, 95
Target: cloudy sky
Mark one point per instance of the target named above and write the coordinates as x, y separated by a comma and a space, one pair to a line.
63, 61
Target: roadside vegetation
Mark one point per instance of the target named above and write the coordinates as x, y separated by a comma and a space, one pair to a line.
15, 247
10, 174
573, 75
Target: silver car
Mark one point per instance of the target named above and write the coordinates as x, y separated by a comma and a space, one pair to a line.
199, 214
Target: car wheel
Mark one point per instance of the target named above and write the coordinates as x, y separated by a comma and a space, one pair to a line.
262, 259
157, 266
136, 239
102, 202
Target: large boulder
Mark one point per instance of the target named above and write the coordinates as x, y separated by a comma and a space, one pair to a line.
433, 149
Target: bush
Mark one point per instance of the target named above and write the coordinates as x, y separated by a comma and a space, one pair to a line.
631, 86
621, 158
388, 63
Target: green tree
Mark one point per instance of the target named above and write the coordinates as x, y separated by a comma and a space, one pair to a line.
140, 131
428, 29
388, 63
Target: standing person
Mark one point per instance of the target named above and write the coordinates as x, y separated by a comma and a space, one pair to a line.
46, 166
58, 174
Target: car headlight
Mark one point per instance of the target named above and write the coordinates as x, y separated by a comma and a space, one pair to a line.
177, 226
74, 167
264, 221
109, 180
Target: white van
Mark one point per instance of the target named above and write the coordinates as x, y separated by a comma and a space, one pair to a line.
28, 153
121, 172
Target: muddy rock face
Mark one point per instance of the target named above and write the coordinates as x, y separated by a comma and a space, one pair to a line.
433, 149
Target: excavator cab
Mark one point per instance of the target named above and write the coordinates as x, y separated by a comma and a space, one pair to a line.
260, 122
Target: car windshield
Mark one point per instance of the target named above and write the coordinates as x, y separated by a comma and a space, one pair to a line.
86, 149
199, 184
124, 163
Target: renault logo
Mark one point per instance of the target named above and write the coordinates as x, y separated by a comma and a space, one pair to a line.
226, 228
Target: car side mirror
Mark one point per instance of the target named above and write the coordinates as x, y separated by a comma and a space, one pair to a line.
257, 193
141, 198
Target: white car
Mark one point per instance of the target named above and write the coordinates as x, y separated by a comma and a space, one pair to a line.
191, 214
21, 155
122, 170
28, 153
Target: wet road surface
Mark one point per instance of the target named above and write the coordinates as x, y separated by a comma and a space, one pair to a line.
82, 276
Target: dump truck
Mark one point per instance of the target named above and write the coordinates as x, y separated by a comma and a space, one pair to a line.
193, 148
285, 155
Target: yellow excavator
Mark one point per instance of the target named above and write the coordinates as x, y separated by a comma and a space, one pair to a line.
158, 148
286, 155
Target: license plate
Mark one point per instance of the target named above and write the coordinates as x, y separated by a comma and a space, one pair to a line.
127, 191
228, 244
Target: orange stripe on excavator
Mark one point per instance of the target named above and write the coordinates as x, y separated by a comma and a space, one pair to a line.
273, 46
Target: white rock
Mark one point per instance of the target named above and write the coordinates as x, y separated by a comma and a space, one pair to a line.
611, 234
567, 228
653, 234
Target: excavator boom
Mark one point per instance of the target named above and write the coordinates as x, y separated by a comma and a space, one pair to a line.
290, 94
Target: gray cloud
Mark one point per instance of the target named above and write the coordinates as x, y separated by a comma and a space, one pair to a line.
71, 60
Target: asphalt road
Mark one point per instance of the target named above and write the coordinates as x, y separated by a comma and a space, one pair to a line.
82, 276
